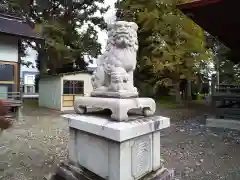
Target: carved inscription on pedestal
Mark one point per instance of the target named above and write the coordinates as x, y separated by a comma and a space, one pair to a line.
141, 156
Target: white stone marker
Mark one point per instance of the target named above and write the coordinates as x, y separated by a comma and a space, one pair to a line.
116, 150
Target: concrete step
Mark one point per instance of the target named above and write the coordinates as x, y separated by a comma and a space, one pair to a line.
223, 123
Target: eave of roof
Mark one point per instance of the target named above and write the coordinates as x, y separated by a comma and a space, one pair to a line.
219, 18
14, 26
65, 74
196, 3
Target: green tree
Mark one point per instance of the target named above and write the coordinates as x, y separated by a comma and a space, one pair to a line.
59, 22
172, 47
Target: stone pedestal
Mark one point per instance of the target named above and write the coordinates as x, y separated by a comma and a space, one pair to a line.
118, 107
116, 150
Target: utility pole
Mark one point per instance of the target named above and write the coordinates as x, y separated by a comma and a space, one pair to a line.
217, 62
217, 69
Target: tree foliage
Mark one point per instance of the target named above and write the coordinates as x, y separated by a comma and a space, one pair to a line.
60, 22
172, 47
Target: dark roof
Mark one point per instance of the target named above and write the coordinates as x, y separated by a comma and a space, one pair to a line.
196, 3
218, 17
65, 74
15, 26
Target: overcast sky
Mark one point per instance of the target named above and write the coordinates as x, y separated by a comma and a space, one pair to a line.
102, 35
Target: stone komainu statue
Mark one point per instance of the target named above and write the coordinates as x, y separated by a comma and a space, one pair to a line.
116, 66
112, 81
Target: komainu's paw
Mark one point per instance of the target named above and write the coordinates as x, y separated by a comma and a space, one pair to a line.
102, 88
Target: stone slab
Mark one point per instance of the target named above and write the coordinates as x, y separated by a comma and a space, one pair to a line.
223, 123
168, 174
115, 94
118, 107
71, 172
117, 131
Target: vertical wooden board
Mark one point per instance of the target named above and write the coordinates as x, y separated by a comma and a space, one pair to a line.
68, 97
67, 103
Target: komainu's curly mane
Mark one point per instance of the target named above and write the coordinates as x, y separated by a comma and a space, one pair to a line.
125, 32
122, 45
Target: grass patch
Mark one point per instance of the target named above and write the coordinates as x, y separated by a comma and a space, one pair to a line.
167, 102
199, 101
30, 102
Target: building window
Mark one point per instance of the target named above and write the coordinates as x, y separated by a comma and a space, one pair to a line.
6, 72
30, 90
73, 87
29, 79
79, 87
3, 92
6, 91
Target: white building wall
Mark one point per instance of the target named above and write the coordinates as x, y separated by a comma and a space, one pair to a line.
81, 77
50, 93
8, 49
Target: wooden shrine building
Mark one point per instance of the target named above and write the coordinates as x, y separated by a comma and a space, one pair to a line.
12, 31
220, 19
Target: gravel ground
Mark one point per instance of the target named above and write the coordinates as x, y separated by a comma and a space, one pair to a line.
187, 111
36, 144
200, 153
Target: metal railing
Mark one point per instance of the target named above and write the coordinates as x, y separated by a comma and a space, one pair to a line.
10, 96
14, 99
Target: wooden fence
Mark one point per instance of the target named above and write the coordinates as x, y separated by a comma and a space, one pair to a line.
14, 101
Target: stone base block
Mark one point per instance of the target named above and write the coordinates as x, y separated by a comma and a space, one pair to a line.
118, 107
72, 172
116, 150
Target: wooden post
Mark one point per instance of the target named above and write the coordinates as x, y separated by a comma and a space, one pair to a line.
178, 95
213, 90
189, 90
213, 84
19, 96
